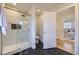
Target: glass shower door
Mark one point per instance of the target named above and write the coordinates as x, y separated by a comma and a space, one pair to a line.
9, 40
17, 39
23, 34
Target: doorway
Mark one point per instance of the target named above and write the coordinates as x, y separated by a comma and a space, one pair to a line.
46, 29
39, 30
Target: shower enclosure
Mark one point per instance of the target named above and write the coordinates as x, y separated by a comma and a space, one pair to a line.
18, 33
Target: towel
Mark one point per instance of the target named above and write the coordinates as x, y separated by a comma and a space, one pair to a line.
3, 21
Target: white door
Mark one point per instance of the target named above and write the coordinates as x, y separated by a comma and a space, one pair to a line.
49, 30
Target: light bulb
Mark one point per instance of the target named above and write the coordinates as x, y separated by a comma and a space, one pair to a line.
26, 22
20, 22
14, 3
38, 10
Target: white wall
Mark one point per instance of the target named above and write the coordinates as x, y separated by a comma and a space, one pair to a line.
77, 29
0, 37
59, 27
39, 26
33, 28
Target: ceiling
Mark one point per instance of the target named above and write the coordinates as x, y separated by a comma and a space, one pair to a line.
41, 6
66, 12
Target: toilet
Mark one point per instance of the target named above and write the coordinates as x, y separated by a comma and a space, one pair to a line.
37, 39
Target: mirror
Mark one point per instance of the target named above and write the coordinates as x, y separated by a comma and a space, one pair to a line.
69, 23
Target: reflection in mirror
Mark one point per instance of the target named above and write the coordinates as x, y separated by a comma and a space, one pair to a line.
69, 24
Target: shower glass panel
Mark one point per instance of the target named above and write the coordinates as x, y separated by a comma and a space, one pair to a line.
9, 40
18, 33
23, 34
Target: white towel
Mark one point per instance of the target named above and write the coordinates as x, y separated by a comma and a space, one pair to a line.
3, 20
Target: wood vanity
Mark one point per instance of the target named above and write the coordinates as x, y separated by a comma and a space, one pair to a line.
66, 45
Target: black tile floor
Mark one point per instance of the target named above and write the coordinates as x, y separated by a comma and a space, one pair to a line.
40, 51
